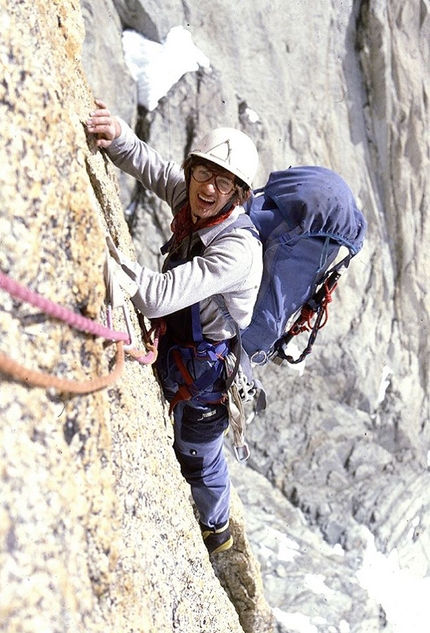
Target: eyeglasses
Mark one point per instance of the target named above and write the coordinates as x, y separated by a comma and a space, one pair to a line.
203, 174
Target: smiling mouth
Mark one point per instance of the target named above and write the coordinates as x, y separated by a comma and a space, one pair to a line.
206, 200
205, 204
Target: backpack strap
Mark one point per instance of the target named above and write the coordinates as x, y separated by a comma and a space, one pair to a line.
197, 346
189, 345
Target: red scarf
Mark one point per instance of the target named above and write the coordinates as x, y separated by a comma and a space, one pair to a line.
182, 224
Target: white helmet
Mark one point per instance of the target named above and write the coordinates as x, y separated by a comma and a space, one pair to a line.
231, 149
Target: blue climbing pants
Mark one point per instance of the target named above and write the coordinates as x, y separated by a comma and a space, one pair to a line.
199, 448
199, 429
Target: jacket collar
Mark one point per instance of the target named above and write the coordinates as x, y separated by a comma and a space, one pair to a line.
208, 234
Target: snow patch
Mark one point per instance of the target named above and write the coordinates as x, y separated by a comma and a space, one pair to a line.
338, 550
288, 550
412, 530
274, 543
296, 622
252, 115
387, 373
157, 67
402, 595
316, 583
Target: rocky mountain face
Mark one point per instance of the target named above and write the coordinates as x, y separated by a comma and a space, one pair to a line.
97, 532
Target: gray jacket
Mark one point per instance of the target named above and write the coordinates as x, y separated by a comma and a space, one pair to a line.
230, 265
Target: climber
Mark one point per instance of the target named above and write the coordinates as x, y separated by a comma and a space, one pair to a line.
207, 289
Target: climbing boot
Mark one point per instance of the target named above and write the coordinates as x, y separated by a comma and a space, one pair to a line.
217, 540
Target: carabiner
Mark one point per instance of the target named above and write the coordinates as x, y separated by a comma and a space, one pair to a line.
132, 341
242, 453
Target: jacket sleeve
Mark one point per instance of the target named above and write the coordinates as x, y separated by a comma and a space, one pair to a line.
216, 272
135, 157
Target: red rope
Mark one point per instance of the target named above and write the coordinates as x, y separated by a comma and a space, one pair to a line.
304, 323
148, 358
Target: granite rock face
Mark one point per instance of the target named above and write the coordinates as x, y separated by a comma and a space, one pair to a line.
97, 531
92, 500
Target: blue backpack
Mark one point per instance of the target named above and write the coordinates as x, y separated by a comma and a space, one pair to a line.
303, 215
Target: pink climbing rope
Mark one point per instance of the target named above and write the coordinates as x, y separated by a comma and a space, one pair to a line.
77, 321
73, 319
149, 358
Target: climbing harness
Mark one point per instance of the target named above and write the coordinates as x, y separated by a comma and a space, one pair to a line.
198, 351
196, 388
221, 362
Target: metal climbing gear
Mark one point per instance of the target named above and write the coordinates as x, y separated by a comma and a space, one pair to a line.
238, 392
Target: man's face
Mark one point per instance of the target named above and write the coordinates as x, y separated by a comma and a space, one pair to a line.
211, 187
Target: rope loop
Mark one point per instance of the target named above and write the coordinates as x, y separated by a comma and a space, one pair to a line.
63, 385
77, 321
